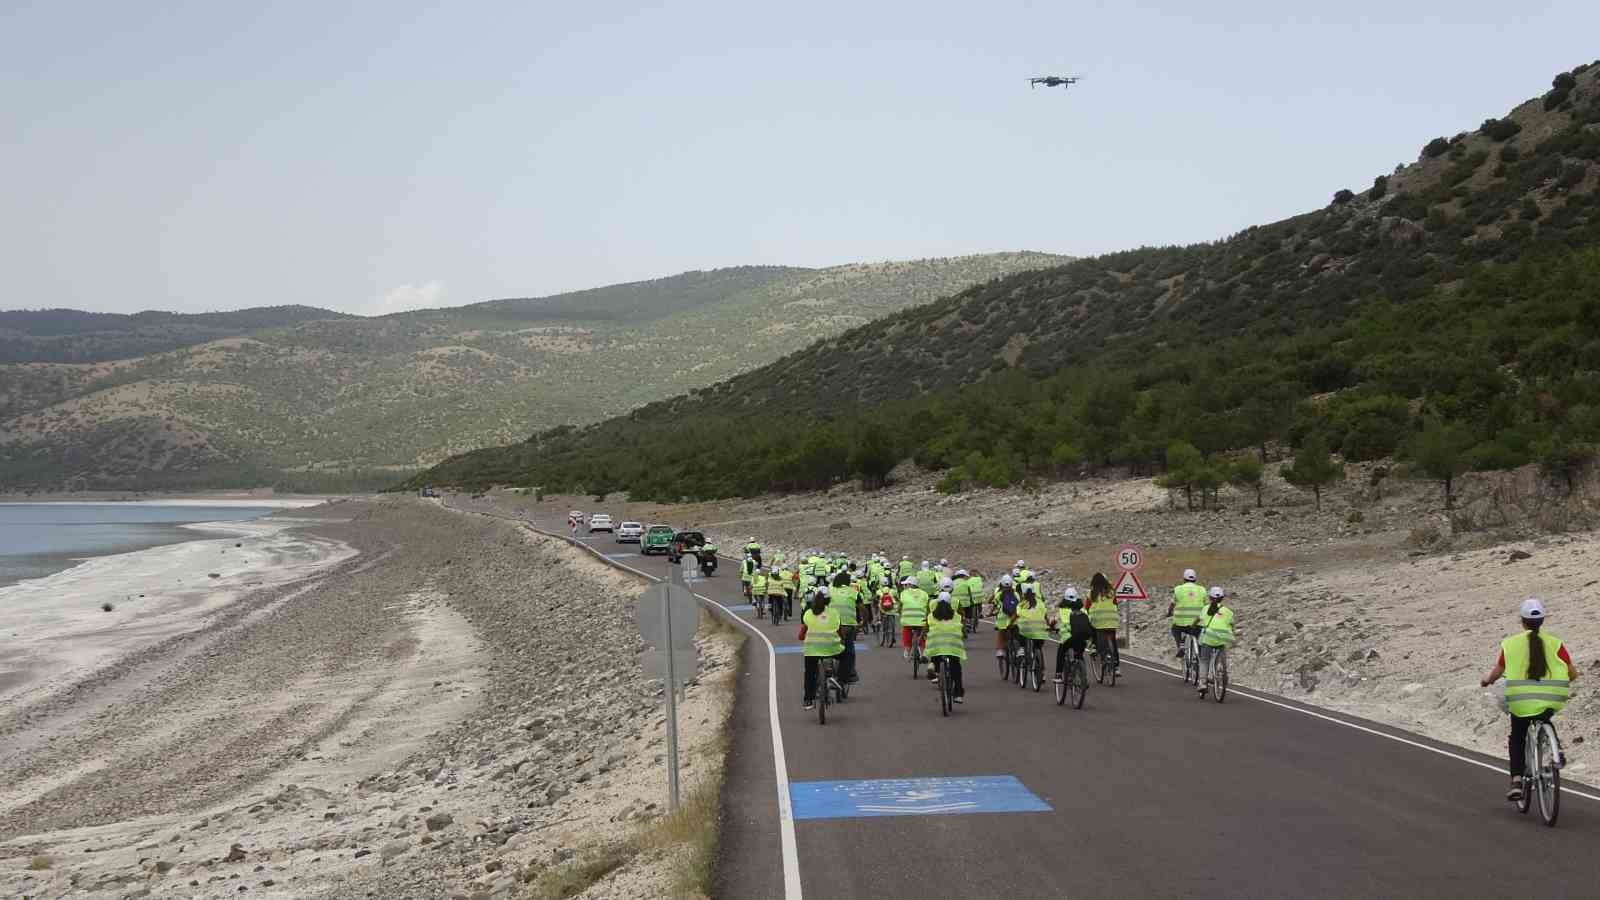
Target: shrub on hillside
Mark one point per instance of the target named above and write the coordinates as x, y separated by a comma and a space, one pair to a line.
1510, 154
1380, 186
1499, 129
1435, 148
1343, 196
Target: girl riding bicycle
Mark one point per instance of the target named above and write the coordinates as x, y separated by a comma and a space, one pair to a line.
819, 634
1073, 624
1539, 673
945, 641
1103, 615
1216, 632
1030, 623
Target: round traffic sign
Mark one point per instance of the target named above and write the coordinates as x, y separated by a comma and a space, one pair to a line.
1129, 558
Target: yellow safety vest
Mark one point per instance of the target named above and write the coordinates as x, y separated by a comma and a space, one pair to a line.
945, 638
822, 634
1030, 622
1528, 697
1188, 603
913, 606
1218, 629
1103, 614
842, 603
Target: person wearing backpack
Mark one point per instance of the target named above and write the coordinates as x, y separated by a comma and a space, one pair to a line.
1075, 629
1005, 610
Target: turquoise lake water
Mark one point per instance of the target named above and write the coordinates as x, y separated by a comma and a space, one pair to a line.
38, 539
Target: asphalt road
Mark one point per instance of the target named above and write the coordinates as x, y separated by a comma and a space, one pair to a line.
1149, 791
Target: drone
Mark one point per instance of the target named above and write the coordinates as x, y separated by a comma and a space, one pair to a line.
1053, 80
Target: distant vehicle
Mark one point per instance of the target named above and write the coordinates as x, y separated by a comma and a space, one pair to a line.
657, 539
1053, 80
629, 533
428, 492
685, 541
601, 522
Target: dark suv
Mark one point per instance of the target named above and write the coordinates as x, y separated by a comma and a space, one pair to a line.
685, 540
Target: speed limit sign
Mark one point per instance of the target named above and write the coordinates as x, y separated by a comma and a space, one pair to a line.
1129, 558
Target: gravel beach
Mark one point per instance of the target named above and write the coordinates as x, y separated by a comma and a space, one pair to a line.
454, 709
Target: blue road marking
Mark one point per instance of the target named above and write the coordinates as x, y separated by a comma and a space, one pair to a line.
742, 607
800, 648
912, 797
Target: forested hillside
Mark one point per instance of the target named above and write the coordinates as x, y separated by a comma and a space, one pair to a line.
1450, 310
341, 401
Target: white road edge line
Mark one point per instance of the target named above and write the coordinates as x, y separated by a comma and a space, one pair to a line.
791, 853
1338, 721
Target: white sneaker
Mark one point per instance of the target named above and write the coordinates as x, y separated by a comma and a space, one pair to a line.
905, 654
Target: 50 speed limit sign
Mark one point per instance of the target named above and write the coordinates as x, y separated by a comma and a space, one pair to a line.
1129, 558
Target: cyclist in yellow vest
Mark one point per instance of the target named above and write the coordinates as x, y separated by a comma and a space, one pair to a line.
747, 572
819, 634
842, 600
913, 612
945, 640
1031, 626
758, 591
906, 568
1005, 602
1539, 674
927, 579
777, 591
1103, 615
1216, 623
1188, 602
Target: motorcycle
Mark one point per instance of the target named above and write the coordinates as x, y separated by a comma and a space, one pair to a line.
707, 555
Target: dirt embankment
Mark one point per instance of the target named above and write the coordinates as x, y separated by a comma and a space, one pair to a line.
1380, 603
455, 711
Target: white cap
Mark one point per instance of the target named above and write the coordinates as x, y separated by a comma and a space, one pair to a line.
1021, 564
1533, 608
1069, 594
908, 580
944, 596
1189, 575
1005, 579
947, 584
1217, 593
906, 558
773, 570
961, 573
944, 562
1028, 588
924, 564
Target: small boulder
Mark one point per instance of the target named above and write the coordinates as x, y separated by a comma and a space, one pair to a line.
438, 821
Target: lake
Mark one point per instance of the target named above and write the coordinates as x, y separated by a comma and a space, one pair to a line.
38, 539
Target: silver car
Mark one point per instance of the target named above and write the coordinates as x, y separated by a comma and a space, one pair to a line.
629, 533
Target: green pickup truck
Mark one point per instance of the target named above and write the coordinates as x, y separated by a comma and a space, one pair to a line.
657, 539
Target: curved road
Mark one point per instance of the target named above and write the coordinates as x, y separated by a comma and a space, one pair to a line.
1146, 792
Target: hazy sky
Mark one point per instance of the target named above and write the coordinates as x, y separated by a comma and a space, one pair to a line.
376, 156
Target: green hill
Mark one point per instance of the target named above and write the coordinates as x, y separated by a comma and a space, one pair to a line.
1459, 292
317, 399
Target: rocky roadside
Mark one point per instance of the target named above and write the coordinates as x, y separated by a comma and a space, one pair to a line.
457, 712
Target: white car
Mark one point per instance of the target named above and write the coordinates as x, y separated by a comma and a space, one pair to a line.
600, 522
629, 533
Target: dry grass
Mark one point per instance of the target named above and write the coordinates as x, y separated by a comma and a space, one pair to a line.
40, 862
576, 877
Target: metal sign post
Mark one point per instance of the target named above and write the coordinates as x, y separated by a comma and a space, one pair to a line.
668, 618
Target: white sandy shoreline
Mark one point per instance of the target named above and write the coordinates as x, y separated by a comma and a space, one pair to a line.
55, 630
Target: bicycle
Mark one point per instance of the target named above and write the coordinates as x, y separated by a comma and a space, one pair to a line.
1033, 666
830, 687
760, 603
1017, 651
915, 649
1541, 770
1191, 660
1103, 662
1218, 685
946, 689
886, 633
1074, 681
775, 606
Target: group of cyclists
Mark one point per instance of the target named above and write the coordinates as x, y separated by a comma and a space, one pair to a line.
930, 609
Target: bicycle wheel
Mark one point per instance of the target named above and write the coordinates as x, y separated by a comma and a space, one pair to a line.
1191, 662
1061, 686
1004, 662
1547, 772
1097, 667
1036, 669
944, 687
1080, 681
1219, 671
822, 695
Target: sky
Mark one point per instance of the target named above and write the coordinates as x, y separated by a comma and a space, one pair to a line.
374, 157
